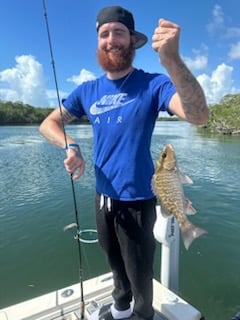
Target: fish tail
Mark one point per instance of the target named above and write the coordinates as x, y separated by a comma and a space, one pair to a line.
190, 232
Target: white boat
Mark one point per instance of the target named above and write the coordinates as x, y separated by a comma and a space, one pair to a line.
66, 303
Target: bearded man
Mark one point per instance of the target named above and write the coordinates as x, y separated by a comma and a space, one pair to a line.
122, 107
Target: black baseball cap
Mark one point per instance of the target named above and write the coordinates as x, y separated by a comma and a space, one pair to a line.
119, 14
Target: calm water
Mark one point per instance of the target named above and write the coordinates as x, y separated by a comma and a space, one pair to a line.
36, 202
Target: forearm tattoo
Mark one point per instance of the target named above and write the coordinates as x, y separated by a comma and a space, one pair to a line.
66, 116
190, 92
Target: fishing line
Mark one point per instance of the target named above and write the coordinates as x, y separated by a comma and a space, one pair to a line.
78, 235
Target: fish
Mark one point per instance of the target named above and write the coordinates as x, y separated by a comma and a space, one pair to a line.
167, 185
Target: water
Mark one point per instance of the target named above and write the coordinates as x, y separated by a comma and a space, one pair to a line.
37, 256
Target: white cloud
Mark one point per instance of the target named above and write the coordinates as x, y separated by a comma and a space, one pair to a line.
218, 84
83, 76
198, 63
232, 32
220, 81
219, 27
200, 59
234, 52
217, 22
24, 82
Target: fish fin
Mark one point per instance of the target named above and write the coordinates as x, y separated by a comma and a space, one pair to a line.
185, 179
189, 208
190, 233
165, 212
153, 186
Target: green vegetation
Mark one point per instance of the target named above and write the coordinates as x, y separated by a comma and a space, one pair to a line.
15, 113
19, 113
224, 117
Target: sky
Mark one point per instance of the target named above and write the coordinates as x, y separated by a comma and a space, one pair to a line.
209, 45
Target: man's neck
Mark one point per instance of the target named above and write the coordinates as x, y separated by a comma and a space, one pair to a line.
118, 74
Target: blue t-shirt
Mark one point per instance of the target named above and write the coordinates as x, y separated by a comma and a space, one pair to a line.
123, 119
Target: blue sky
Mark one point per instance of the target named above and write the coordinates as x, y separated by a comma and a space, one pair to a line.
209, 44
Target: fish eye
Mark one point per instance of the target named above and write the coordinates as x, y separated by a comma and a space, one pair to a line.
164, 155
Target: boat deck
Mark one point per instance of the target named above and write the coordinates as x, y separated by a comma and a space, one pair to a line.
64, 304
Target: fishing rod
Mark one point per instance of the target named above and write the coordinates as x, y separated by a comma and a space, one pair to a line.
77, 236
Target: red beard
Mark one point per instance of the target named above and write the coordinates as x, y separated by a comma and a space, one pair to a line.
112, 61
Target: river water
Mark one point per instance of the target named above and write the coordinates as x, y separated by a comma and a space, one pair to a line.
36, 202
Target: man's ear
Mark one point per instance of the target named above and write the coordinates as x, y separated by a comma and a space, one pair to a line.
133, 38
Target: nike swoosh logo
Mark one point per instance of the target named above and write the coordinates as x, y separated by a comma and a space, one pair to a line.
95, 109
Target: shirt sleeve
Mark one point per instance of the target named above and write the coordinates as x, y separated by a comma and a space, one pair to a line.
73, 103
163, 90
167, 90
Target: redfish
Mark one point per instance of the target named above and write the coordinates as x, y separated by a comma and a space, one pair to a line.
167, 185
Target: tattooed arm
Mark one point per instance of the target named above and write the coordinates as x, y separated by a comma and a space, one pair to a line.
52, 129
189, 102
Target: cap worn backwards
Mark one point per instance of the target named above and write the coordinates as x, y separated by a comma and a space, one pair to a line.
119, 14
